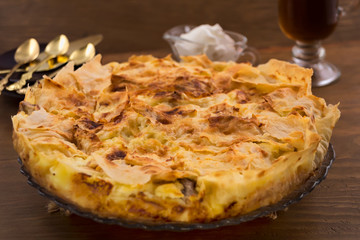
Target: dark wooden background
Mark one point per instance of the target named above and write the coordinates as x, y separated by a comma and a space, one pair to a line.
331, 211
133, 25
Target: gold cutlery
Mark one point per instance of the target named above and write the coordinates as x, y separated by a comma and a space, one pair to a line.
58, 46
78, 56
50, 64
74, 45
26, 52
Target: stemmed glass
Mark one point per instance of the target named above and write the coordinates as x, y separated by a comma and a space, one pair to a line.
308, 22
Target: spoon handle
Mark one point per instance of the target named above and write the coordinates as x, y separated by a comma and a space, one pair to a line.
26, 76
9, 70
5, 80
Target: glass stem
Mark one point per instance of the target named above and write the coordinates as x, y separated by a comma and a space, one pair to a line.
307, 54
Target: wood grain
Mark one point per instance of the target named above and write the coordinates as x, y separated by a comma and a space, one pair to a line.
135, 25
331, 211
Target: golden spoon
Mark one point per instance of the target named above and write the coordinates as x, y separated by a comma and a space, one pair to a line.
57, 46
79, 56
26, 52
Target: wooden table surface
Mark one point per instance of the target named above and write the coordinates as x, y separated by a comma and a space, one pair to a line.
331, 211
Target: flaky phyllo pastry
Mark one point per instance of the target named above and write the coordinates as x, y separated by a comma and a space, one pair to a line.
154, 139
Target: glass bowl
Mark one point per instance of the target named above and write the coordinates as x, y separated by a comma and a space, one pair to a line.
242, 52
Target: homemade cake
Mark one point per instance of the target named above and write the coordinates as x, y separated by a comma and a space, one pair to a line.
156, 140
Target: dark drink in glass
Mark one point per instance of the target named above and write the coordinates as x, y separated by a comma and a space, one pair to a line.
308, 22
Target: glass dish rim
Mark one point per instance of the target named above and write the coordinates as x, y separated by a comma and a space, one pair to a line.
168, 36
304, 189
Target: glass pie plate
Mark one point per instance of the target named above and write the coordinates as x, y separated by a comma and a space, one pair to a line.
294, 197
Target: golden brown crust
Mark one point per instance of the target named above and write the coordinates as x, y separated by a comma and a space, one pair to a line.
153, 139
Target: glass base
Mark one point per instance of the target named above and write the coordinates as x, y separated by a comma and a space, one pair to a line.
325, 73
311, 55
